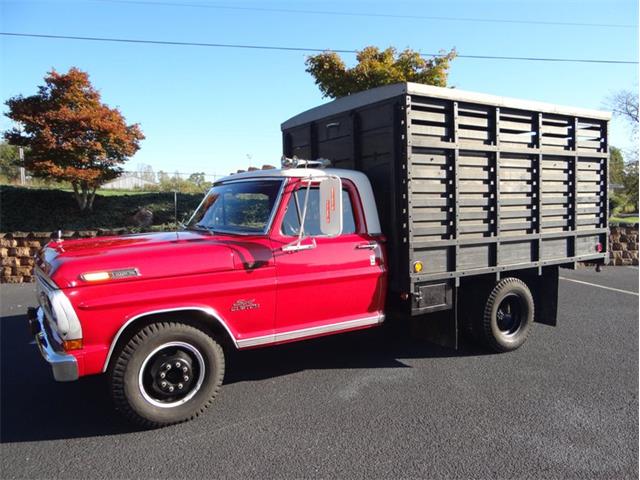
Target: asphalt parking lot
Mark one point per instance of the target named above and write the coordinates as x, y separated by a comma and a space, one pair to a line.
375, 404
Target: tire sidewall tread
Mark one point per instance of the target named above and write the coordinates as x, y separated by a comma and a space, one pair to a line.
124, 375
492, 336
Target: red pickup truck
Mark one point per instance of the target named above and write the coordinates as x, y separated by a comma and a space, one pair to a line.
449, 208
154, 311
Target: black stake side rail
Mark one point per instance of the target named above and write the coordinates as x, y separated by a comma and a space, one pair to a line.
494, 189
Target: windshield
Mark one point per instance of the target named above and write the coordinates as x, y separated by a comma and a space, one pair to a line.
243, 207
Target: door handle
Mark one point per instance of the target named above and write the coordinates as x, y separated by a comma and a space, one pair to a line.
367, 246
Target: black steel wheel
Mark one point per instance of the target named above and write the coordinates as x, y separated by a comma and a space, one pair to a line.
167, 373
508, 315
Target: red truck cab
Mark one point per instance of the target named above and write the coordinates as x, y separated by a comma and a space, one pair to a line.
154, 311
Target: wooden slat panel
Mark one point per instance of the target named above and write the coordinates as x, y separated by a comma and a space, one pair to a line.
475, 134
514, 187
550, 129
506, 125
467, 173
516, 138
556, 141
464, 215
474, 121
429, 116
428, 186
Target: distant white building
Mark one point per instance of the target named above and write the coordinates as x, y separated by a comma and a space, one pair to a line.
127, 182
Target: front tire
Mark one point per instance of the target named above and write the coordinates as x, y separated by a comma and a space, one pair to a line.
167, 373
508, 315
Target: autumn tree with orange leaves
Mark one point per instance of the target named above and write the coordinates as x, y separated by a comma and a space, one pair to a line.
376, 68
72, 136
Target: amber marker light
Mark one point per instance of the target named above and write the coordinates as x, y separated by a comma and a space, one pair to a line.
110, 275
95, 276
417, 266
72, 344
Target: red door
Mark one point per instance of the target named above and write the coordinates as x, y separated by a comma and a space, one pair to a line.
336, 286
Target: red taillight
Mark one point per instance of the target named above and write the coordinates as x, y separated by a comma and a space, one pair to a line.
598, 247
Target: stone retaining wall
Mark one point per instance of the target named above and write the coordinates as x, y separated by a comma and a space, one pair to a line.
623, 244
18, 248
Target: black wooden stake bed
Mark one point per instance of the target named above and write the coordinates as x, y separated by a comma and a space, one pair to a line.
468, 184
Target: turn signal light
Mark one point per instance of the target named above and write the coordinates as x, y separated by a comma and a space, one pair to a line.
72, 344
110, 274
417, 266
95, 276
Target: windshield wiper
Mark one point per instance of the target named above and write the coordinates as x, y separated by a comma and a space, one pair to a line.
201, 228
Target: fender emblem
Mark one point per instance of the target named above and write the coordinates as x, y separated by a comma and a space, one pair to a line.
244, 305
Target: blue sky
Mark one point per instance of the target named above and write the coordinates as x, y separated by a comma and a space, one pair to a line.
217, 109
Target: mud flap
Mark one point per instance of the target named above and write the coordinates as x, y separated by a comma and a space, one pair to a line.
545, 296
440, 328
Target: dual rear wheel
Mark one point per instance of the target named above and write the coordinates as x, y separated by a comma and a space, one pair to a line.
507, 316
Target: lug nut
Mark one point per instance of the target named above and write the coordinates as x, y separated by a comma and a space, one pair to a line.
184, 369
186, 378
178, 364
168, 367
171, 389
162, 375
180, 386
163, 384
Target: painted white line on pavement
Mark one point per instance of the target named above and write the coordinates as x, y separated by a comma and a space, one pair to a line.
599, 286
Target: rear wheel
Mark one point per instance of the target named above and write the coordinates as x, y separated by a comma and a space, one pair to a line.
167, 373
508, 315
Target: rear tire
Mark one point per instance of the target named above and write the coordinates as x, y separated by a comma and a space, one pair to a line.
167, 373
508, 315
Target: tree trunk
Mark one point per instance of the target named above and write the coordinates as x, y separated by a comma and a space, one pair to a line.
81, 194
92, 197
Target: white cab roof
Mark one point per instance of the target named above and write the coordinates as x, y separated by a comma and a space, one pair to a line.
389, 91
359, 179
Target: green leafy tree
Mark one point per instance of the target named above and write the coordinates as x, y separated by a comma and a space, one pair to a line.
630, 182
9, 161
376, 68
197, 179
72, 136
616, 166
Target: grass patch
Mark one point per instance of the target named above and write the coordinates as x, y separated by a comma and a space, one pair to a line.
45, 210
113, 193
624, 220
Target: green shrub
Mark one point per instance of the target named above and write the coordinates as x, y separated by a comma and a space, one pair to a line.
26, 209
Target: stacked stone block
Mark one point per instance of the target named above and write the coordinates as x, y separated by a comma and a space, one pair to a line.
18, 250
623, 244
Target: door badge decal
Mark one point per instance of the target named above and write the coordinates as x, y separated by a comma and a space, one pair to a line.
242, 304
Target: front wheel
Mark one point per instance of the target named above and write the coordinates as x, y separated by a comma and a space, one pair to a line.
167, 373
508, 315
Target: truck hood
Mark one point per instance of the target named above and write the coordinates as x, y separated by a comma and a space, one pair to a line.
153, 255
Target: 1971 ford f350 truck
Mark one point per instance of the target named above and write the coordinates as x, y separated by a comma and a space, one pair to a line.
450, 208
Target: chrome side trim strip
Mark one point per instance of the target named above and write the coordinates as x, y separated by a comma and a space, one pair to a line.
209, 311
308, 332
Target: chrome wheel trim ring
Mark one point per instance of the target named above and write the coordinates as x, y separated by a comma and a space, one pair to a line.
198, 356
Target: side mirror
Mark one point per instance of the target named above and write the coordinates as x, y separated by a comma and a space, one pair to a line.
331, 206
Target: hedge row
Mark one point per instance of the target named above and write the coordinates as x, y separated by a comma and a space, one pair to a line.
26, 209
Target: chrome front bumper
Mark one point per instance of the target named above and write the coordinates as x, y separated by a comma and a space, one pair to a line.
63, 365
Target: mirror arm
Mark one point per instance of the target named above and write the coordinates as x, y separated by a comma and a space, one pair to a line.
295, 246
304, 213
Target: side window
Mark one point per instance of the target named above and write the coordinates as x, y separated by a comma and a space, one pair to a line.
291, 220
